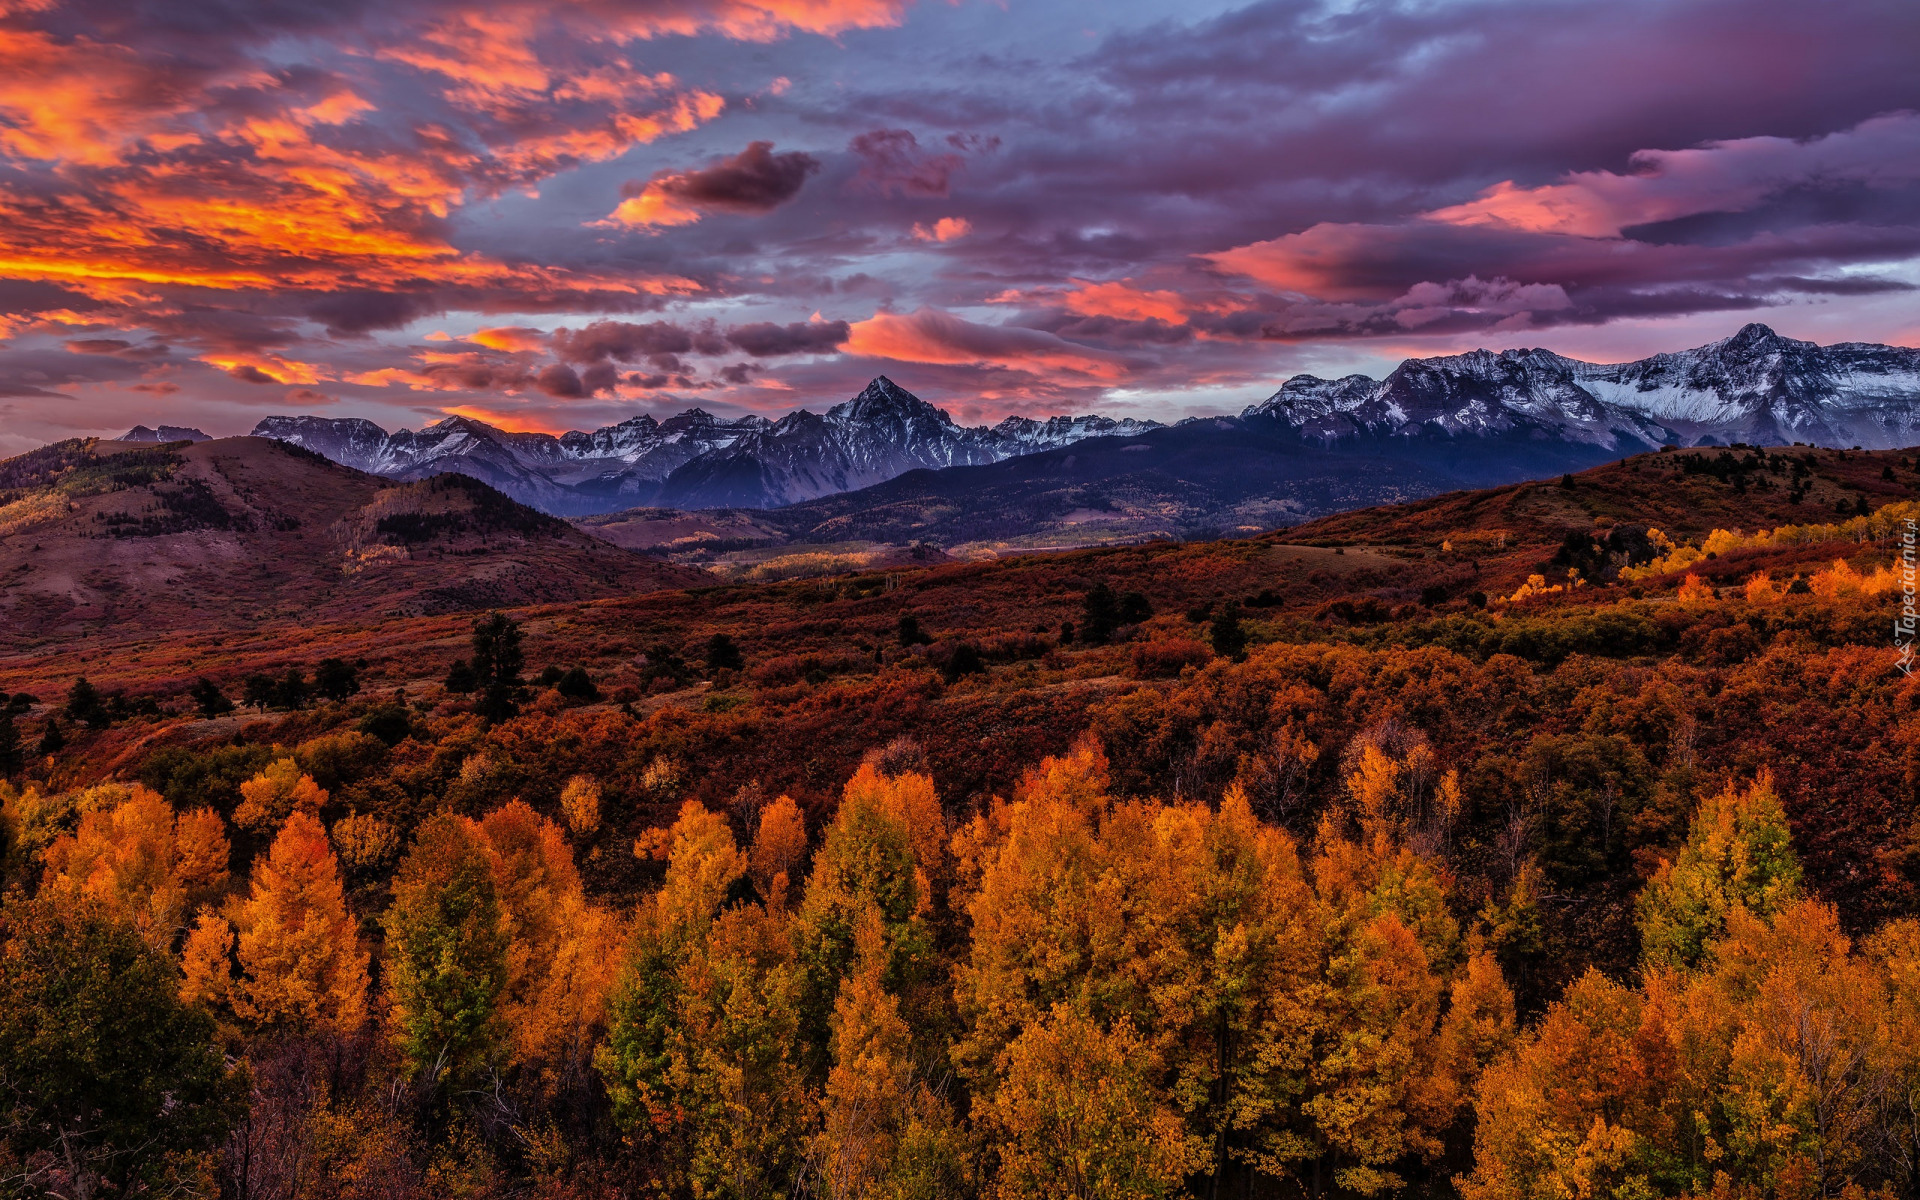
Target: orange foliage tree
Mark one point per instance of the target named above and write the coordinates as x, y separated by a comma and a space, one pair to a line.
142, 863
301, 961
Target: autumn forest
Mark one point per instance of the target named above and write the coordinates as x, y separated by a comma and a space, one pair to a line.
1551, 842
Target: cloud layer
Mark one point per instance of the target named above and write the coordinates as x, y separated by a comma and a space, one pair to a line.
566, 212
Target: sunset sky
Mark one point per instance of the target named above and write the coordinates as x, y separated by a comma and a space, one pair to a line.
558, 214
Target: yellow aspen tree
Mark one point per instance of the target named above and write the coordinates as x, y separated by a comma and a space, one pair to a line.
446, 951
1895, 952
1075, 1117
1556, 1116
1479, 1025
866, 860
580, 805
1193, 926
280, 789
704, 1059
1032, 911
908, 798
1807, 1067
1381, 1089
1738, 854
202, 854
869, 1089
301, 961
141, 863
206, 962
702, 864
779, 849
561, 950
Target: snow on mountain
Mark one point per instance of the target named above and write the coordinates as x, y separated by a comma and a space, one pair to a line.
1033, 436
695, 459
1755, 386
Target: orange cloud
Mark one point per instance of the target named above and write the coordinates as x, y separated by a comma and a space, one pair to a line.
1558, 208
1320, 261
267, 368
510, 421
946, 229
755, 20
931, 336
1121, 299
1726, 176
511, 338
228, 176
653, 208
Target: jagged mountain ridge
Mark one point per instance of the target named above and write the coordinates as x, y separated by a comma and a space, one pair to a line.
1755, 387
695, 459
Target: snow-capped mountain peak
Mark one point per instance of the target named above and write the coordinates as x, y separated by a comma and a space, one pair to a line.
1754, 386
694, 458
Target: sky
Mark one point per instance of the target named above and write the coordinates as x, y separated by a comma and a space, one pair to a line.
561, 214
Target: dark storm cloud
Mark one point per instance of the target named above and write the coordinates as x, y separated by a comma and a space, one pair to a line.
756, 180
359, 312
625, 341
561, 382
892, 161
768, 340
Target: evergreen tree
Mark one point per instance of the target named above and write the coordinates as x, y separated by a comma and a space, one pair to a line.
497, 663
576, 684
12, 758
336, 679
52, 741
963, 660
209, 699
84, 704
291, 692
1100, 615
259, 690
1133, 608
109, 1082
1228, 638
460, 678
723, 655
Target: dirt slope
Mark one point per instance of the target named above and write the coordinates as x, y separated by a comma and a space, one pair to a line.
99, 536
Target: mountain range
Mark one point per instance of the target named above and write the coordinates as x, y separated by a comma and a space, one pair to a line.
1470, 419
1755, 387
695, 459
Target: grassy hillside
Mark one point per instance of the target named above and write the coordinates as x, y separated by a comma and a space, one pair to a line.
102, 537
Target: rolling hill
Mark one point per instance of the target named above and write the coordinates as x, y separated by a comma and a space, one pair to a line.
98, 535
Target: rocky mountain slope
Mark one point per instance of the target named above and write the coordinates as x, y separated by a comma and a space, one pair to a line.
1468, 420
1202, 478
695, 459
1755, 387
100, 536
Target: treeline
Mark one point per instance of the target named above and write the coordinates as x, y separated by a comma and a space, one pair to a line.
1072, 992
